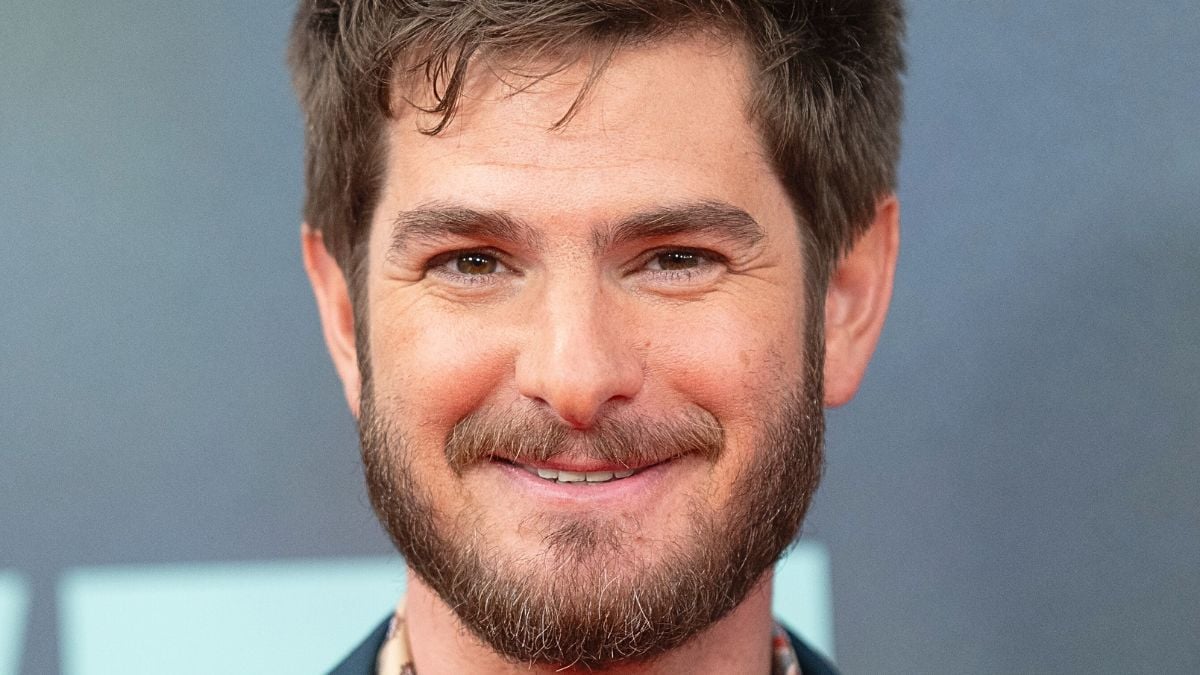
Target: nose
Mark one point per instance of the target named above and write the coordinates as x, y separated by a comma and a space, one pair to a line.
579, 357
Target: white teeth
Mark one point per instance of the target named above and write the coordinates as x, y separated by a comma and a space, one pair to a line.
579, 476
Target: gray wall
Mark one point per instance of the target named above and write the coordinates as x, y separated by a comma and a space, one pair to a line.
1016, 489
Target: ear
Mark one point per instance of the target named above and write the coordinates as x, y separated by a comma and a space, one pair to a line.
337, 313
860, 290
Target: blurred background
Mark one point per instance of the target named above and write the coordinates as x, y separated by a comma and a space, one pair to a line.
1016, 488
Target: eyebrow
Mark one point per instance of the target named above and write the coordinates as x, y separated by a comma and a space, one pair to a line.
437, 221
703, 217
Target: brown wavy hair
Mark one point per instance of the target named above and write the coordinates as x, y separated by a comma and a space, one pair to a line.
826, 90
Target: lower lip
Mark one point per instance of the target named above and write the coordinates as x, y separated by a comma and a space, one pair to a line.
645, 482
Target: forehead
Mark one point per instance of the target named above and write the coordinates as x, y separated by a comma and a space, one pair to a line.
664, 122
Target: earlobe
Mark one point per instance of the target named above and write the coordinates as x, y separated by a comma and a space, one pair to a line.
860, 290
336, 310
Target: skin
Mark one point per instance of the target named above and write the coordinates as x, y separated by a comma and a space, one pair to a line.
583, 327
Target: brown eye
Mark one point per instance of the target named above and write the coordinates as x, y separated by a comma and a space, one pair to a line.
677, 260
476, 263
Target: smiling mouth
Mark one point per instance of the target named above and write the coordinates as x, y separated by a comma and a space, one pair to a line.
575, 477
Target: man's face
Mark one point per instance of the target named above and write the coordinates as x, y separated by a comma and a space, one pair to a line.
548, 310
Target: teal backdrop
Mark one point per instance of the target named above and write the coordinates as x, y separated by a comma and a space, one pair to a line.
1014, 490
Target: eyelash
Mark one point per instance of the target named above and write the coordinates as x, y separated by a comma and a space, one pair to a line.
707, 259
437, 267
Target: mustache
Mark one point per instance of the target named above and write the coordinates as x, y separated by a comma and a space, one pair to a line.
630, 440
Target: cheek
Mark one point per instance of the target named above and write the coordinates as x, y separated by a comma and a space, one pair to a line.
737, 363
434, 368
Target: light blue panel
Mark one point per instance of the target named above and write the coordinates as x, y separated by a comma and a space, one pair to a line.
295, 617
803, 599
14, 603
278, 617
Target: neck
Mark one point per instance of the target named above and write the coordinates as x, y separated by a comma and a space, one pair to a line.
738, 643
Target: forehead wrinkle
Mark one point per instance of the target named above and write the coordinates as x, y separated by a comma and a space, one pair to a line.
437, 221
702, 217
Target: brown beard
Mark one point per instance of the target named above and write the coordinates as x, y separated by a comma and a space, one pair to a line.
591, 606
